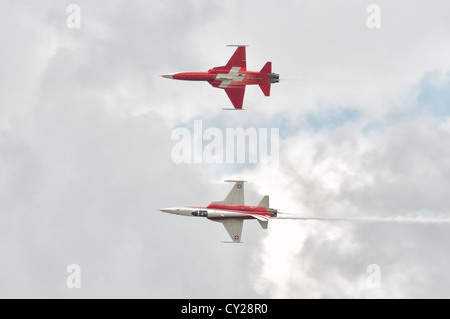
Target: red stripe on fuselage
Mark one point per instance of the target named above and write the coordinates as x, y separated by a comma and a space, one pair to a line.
249, 209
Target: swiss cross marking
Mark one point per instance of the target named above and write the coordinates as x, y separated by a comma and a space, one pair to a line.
231, 76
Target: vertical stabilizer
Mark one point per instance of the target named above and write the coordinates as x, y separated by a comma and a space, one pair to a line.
264, 202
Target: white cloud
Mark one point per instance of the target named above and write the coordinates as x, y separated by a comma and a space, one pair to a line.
345, 172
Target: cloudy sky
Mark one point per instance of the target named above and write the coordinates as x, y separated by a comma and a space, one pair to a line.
85, 149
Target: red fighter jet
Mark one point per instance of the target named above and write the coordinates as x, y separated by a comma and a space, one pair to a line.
233, 77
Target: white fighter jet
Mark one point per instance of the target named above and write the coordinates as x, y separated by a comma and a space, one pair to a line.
231, 212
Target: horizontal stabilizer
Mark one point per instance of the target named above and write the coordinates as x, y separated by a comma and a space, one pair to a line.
267, 68
264, 224
265, 88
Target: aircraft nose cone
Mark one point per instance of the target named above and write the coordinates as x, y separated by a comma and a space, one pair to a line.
166, 210
167, 76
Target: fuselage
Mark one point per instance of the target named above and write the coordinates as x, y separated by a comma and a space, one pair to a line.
217, 211
217, 77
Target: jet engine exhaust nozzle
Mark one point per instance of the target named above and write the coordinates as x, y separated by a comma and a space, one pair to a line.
274, 78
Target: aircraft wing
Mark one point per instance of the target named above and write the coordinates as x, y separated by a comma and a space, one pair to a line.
235, 197
238, 59
234, 228
236, 95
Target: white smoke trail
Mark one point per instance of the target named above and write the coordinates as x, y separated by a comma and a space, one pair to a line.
395, 219
292, 79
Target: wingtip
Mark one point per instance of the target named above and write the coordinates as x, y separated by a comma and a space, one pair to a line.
237, 45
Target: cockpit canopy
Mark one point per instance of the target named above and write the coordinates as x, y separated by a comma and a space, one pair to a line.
200, 213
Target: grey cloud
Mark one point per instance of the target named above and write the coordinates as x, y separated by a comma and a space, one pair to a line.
85, 126
84, 177
402, 171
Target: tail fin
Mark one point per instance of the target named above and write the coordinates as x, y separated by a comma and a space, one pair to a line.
265, 88
264, 224
264, 202
267, 68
